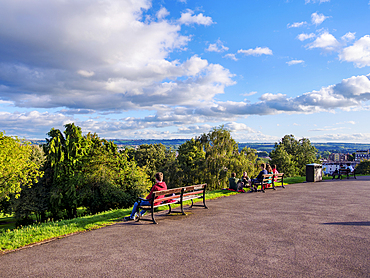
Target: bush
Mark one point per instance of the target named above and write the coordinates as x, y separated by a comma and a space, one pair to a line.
363, 168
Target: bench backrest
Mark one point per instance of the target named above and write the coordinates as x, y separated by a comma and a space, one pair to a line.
177, 192
267, 178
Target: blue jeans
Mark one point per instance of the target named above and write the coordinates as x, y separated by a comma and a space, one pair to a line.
134, 209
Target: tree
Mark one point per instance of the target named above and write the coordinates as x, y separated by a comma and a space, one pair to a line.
34, 199
222, 158
363, 167
154, 158
291, 156
191, 160
16, 167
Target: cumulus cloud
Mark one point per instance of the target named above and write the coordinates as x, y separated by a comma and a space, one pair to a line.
297, 24
358, 53
30, 123
295, 62
349, 36
162, 13
258, 51
304, 36
217, 47
189, 18
326, 42
317, 19
231, 56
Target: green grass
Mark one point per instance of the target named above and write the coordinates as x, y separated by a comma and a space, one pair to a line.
18, 237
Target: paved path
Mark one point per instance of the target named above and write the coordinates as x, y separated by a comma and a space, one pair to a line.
306, 230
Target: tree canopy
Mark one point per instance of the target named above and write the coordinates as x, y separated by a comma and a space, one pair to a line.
291, 155
16, 166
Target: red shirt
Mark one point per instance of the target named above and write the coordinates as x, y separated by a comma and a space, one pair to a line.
159, 186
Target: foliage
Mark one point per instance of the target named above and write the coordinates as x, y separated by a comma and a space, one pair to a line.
89, 171
291, 156
16, 167
223, 158
363, 167
152, 157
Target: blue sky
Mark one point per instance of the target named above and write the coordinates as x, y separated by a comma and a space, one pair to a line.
175, 69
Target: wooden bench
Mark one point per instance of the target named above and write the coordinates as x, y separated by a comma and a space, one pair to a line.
271, 181
172, 197
347, 172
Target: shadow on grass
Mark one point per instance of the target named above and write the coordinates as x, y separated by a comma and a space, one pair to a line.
361, 223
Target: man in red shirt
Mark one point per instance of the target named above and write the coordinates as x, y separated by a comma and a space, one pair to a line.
158, 186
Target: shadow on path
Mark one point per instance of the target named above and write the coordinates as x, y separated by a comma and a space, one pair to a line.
362, 223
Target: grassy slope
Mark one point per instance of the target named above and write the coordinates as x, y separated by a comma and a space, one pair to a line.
15, 238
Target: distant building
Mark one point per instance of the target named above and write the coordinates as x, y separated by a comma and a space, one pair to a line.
338, 157
361, 155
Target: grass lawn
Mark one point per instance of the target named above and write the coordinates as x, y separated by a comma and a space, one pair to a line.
13, 238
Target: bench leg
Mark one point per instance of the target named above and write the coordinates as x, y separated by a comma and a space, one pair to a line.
192, 203
182, 208
169, 209
153, 216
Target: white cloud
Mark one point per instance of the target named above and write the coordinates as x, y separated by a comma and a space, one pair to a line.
295, 62
30, 123
304, 36
326, 42
189, 18
231, 56
317, 19
86, 73
344, 137
249, 94
162, 13
258, 51
315, 1
217, 47
297, 24
358, 53
234, 126
349, 36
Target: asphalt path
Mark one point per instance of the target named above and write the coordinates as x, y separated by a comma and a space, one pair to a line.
306, 230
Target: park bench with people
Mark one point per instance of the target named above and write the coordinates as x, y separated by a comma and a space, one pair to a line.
347, 172
271, 181
173, 197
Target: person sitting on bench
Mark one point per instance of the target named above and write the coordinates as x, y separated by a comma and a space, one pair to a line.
158, 186
234, 183
350, 168
246, 180
259, 178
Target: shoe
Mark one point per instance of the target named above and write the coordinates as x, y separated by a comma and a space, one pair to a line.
127, 218
137, 216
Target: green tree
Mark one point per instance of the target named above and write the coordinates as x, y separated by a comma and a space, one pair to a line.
291, 156
16, 167
363, 167
154, 158
65, 156
33, 200
222, 158
191, 160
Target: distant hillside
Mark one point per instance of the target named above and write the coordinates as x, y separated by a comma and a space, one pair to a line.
267, 147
